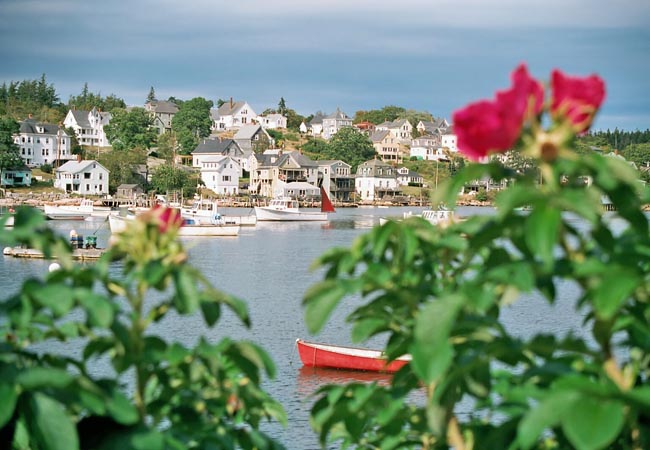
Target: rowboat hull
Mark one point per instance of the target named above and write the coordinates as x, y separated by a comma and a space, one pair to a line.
350, 358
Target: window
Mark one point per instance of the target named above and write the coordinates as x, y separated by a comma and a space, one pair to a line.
87, 176
225, 178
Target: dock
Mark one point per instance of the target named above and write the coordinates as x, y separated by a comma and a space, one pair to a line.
79, 254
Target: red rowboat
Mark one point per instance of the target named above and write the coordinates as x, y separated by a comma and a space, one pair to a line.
351, 358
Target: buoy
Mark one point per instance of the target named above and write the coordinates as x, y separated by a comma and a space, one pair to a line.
6, 251
54, 266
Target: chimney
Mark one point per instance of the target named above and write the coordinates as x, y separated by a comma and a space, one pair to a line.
230, 102
79, 158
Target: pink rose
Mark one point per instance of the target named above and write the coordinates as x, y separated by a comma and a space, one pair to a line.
166, 218
494, 126
576, 99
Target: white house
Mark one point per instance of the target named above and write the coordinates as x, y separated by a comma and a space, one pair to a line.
221, 174
232, 115
427, 147
375, 179
83, 177
272, 121
406, 177
42, 143
88, 126
315, 126
209, 149
400, 129
303, 127
449, 139
334, 122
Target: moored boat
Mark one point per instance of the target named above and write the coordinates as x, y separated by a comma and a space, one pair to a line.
118, 224
351, 358
69, 212
288, 209
206, 211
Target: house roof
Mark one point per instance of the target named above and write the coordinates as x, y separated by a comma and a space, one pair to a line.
248, 131
78, 166
164, 106
317, 119
28, 126
227, 110
338, 114
215, 146
378, 136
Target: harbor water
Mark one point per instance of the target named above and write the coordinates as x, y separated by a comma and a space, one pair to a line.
268, 266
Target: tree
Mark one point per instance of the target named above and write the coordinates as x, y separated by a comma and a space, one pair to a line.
9, 151
192, 122
152, 95
166, 146
130, 129
123, 166
351, 146
87, 100
282, 107
168, 177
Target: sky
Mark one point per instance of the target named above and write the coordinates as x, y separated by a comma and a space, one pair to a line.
434, 56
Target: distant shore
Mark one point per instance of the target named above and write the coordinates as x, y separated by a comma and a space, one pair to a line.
38, 199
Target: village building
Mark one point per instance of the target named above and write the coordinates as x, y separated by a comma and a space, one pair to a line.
162, 112
83, 177
375, 180
221, 173
88, 126
334, 122
42, 143
213, 149
16, 177
272, 121
337, 179
387, 146
232, 115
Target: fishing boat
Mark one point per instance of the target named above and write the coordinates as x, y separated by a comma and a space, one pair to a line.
118, 224
205, 211
352, 358
288, 209
69, 212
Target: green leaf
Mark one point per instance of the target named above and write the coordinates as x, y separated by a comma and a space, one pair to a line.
99, 309
186, 299
121, 409
547, 414
431, 350
615, 286
593, 423
319, 302
58, 297
542, 227
50, 423
42, 377
8, 403
364, 328
211, 312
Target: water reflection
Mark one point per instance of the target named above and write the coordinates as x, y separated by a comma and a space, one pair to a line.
310, 379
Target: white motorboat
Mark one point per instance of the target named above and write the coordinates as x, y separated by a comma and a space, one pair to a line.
288, 209
118, 224
69, 212
206, 211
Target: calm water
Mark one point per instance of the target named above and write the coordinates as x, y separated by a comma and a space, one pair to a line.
268, 266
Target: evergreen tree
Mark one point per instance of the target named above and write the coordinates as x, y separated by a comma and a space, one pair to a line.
152, 95
282, 107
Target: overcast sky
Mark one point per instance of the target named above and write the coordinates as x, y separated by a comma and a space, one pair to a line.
434, 55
